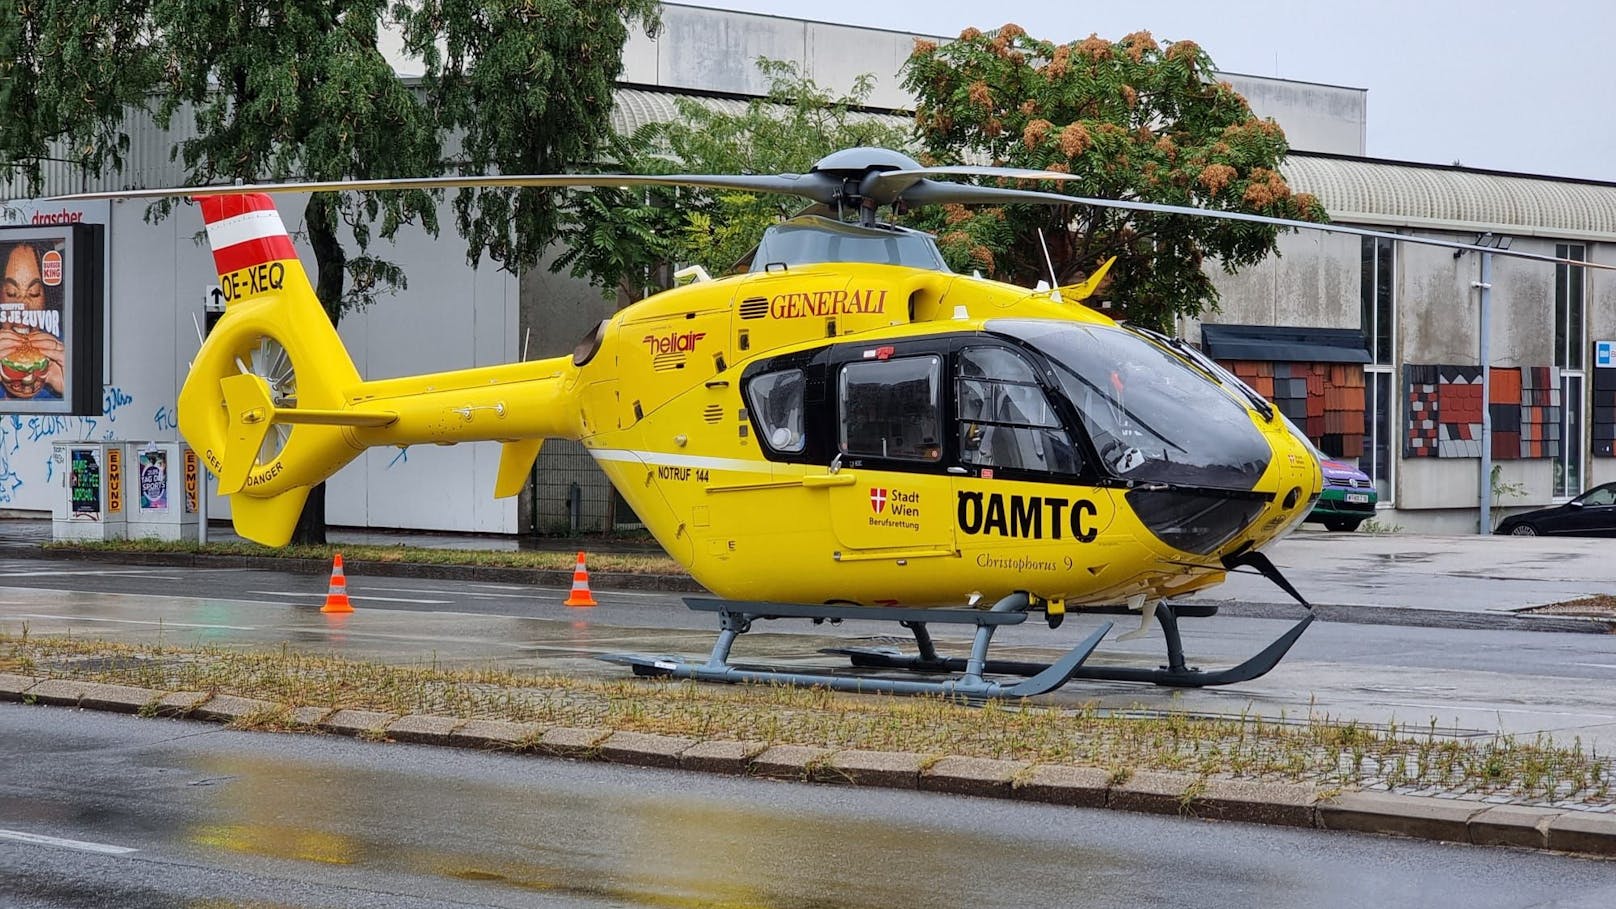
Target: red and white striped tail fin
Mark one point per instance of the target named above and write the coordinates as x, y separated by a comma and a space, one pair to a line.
251, 249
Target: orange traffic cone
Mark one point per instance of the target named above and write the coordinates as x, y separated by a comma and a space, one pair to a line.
336, 598
580, 586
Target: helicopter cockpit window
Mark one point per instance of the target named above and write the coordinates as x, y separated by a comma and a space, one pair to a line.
776, 402
1151, 416
813, 240
1005, 420
890, 409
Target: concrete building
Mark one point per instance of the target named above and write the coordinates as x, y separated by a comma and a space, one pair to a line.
1411, 311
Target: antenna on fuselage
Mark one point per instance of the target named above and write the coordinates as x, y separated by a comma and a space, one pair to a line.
1054, 282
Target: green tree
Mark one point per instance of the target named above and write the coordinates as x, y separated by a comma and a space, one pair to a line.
298, 89
1134, 120
623, 240
528, 86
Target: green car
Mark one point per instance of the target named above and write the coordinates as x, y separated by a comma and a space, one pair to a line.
1348, 499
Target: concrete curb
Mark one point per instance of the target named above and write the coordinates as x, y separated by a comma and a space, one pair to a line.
1283, 804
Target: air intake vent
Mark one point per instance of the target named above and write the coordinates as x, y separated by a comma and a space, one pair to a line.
755, 308
712, 413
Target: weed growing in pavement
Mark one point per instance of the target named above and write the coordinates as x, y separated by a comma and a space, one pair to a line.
1317, 749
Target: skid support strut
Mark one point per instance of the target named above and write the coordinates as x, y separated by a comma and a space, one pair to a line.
735, 619
1175, 674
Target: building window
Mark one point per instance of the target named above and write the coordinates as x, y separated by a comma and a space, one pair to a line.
1570, 310
1376, 296
1379, 316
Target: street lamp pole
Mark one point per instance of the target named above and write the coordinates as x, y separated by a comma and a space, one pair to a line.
1485, 285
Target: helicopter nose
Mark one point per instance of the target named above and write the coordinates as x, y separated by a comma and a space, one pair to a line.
1198, 522
1297, 485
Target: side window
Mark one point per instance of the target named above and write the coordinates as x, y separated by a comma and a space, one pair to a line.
890, 409
1005, 420
776, 402
1599, 497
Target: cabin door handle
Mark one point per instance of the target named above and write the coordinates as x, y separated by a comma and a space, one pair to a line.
829, 479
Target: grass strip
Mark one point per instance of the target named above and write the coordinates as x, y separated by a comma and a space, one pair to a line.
1329, 753
634, 563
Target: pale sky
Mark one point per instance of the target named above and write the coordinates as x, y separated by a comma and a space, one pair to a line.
1527, 87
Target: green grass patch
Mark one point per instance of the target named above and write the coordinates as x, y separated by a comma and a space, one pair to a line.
633, 563
1328, 753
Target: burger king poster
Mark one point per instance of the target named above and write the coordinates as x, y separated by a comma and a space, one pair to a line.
51, 304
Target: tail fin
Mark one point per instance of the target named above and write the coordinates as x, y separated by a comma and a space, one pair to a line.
274, 404
274, 350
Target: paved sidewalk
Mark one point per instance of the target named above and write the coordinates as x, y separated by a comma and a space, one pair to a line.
1466, 573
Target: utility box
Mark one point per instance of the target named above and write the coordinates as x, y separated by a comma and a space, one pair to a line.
163, 486
91, 505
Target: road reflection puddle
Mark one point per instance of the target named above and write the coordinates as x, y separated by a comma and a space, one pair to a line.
554, 830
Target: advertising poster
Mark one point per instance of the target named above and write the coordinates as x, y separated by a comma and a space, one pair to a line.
114, 480
50, 305
153, 469
84, 484
193, 468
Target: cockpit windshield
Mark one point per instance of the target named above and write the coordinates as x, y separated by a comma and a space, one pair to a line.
1152, 416
810, 240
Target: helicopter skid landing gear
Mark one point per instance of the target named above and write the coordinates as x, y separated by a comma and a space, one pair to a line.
1175, 674
735, 619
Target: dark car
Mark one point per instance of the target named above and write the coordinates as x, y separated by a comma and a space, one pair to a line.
1348, 499
1592, 514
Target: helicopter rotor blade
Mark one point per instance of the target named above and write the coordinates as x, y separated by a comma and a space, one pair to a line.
870, 176
887, 186
931, 192
818, 187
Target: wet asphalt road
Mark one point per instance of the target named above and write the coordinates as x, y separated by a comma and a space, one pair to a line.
104, 810
1468, 682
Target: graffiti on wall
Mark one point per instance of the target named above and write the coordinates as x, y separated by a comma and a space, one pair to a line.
25, 446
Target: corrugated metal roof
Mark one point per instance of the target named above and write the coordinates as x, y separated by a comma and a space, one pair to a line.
638, 106
1394, 194
152, 161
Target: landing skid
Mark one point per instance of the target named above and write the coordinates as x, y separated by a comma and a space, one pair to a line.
735, 619
1175, 674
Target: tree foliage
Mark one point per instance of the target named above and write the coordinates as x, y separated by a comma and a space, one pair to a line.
623, 239
299, 89
68, 68
1132, 120
529, 86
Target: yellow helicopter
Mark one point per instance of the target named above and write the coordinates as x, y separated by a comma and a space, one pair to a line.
845, 430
